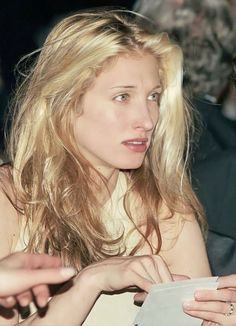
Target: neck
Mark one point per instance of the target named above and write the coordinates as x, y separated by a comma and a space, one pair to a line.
105, 187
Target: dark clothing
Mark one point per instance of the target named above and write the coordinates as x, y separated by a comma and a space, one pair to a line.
218, 132
214, 180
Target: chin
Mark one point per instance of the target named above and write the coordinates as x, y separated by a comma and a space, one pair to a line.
131, 166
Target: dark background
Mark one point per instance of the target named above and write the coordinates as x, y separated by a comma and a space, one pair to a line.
23, 24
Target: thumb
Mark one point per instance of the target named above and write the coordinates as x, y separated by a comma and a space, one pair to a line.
140, 296
178, 277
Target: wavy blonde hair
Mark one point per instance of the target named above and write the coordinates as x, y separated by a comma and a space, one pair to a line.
51, 179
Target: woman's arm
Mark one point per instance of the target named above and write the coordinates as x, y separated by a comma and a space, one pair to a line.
187, 254
72, 306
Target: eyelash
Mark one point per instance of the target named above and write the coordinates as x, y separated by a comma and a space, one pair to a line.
157, 97
125, 96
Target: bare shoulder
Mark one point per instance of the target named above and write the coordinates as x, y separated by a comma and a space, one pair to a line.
9, 217
171, 225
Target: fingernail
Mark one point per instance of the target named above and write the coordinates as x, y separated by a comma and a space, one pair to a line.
42, 301
67, 271
10, 300
187, 305
197, 295
24, 302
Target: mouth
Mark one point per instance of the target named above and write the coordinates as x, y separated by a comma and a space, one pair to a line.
136, 145
136, 142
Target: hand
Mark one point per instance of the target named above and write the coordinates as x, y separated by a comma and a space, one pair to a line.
22, 275
125, 272
213, 305
109, 275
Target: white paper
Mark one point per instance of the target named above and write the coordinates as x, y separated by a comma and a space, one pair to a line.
163, 304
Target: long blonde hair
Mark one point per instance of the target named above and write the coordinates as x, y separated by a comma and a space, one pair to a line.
51, 179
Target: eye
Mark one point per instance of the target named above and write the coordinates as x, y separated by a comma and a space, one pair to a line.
155, 97
121, 97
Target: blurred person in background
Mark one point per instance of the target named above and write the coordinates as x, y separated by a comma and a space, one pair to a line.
233, 7
205, 30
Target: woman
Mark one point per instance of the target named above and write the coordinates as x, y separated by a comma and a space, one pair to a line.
97, 173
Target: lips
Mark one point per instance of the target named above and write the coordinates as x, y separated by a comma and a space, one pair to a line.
138, 145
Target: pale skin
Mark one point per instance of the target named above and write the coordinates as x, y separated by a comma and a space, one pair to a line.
212, 305
24, 276
122, 103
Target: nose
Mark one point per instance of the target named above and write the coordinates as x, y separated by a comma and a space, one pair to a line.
145, 118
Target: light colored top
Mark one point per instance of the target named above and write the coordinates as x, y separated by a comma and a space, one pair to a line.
116, 309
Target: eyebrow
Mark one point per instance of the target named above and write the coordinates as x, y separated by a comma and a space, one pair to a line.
122, 86
132, 86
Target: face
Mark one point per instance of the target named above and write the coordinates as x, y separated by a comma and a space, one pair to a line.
120, 111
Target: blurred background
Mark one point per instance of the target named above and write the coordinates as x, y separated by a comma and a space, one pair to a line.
25, 23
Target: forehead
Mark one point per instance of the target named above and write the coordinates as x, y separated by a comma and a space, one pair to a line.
129, 68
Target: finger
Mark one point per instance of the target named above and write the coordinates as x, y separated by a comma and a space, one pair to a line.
151, 269
21, 280
164, 272
178, 277
35, 261
209, 323
144, 271
212, 311
41, 295
8, 302
211, 306
24, 298
215, 295
27, 260
140, 296
49, 276
228, 281
141, 280
213, 317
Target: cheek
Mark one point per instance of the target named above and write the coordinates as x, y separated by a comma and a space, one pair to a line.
100, 126
155, 116
92, 128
